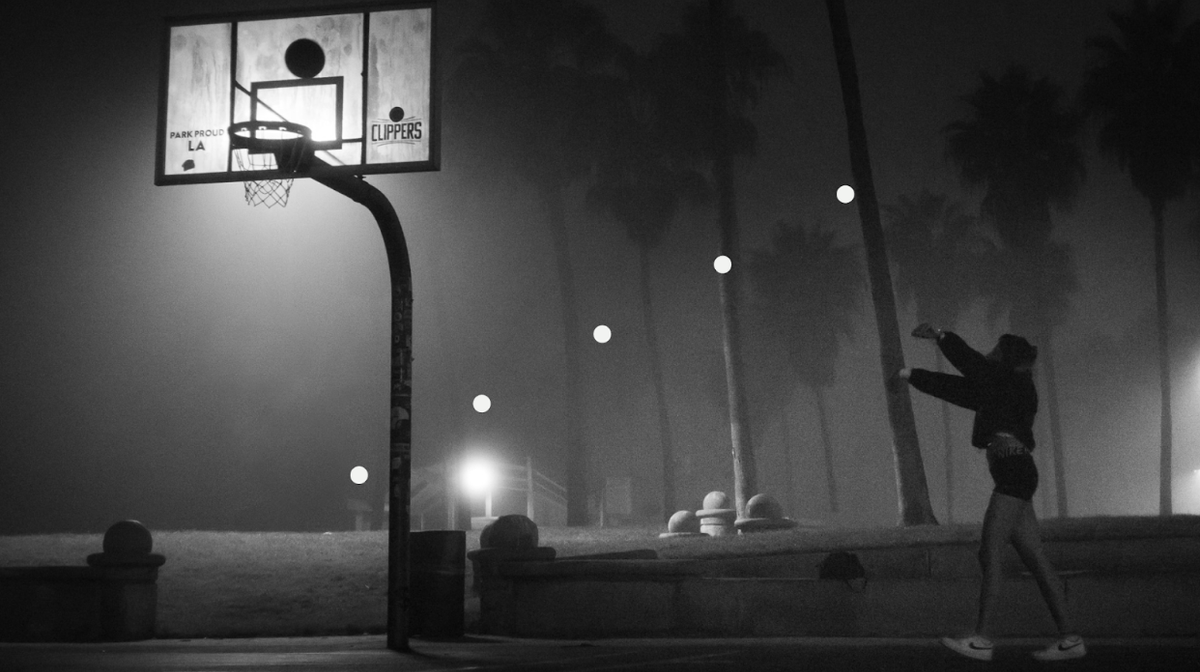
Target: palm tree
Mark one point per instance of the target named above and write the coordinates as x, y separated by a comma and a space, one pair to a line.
770, 387
1019, 144
910, 470
718, 70
807, 289
641, 186
537, 71
931, 241
745, 468
1144, 89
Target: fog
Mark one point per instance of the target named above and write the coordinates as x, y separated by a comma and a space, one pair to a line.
175, 356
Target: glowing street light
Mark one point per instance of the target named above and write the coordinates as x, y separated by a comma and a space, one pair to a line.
478, 477
845, 193
722, 264
602, 334
358, 475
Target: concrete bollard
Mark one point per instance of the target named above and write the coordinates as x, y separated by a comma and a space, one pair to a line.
763, 513
129, 592
511, 531
682, 524
509, 539
437, 575
716, 518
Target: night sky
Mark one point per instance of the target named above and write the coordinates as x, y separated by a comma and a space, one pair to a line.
175, 356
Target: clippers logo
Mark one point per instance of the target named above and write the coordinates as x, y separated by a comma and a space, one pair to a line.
386, 132
396, 129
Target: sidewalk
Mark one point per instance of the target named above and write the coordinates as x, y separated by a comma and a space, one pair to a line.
369, 653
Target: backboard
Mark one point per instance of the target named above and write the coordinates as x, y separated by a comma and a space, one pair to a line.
361, 79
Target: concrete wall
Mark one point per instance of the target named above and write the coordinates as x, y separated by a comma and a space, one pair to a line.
1147, 587
77, 604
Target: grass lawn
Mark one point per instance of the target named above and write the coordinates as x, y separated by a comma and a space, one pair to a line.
242, 584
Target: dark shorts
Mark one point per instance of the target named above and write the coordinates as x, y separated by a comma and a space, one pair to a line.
1012, 468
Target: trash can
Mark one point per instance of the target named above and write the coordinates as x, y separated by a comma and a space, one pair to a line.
437, 574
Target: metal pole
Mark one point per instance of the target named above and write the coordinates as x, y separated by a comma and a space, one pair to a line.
400, 434
451, 499
529, 486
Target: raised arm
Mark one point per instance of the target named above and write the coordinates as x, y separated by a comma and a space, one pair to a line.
971, 363
945, 386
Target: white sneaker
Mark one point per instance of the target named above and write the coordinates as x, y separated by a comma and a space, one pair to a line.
1064, 649
975, 646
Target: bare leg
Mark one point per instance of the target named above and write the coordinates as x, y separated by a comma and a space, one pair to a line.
1028, 541
1004, 514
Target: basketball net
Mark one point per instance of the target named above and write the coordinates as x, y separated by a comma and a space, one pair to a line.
263, 192
270, 146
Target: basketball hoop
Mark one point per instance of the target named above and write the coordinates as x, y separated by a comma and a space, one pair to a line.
271, 145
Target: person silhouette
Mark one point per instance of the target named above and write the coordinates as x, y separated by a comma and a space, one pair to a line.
999, 388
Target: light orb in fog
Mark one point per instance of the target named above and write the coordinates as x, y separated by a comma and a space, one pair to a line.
602, 334
358, 475
482, 403
845, 193
722, 264
478, 476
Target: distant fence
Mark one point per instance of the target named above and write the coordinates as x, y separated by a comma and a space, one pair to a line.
433, 489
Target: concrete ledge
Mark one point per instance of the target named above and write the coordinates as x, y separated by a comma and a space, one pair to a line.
1138, 588
77, 604
1166, 605
50, 604
114, 598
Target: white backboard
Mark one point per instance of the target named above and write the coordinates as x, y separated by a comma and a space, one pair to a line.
360, 79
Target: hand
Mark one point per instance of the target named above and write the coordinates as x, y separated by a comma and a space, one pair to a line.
925, 330
895, 381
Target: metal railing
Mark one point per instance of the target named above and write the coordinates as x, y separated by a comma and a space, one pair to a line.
433, 487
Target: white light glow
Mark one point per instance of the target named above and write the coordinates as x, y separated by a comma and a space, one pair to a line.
478, 476
845, 193
602, 334
358, 475
722, 264
482, 403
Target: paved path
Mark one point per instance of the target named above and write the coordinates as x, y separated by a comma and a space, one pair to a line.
486, 654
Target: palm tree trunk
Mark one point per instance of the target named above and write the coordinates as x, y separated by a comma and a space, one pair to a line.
1196, 231
947, 442
576, 453
823, 421
745, 475
913, 491
1056, 440
660, 389
1164, 357
789, 465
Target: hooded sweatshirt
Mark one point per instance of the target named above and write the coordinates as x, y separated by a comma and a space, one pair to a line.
1004, 399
